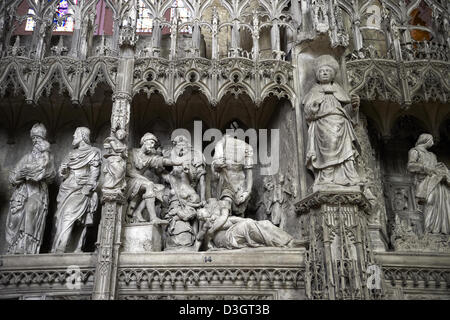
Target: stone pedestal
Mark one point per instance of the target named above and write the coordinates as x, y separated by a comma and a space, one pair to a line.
335, 222
142, 237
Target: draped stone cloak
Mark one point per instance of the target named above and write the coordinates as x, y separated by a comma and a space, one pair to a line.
331, 137
25, 222
73, 205
433, 190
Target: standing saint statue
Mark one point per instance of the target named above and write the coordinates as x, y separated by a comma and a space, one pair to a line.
233, 163
432, 186
331, 115
184, 200
29, 202
77, 199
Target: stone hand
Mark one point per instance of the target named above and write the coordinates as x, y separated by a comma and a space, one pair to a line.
87, 190
356, 101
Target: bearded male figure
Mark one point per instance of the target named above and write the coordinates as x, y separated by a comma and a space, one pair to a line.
77, 199
29, 202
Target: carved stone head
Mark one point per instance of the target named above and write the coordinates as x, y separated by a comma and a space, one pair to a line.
149, 142
326, 68
38, 130
82, 134
121, 134
425, 140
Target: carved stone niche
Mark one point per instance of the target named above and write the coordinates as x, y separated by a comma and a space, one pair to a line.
335, 223
142, 237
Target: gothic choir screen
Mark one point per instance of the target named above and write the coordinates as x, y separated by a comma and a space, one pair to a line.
224, 149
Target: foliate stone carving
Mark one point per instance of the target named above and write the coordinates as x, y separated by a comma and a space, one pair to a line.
317, 199
220, 230
28, 210
332, 142
184, 201
233, 163
432, 186
77, 198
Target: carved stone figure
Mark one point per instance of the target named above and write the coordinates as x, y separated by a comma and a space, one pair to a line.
432, 186
400, 200
275, 198
77, 199
29, 202
219, 230
142, 192
331, 115
184, 201
114, 167
233, 163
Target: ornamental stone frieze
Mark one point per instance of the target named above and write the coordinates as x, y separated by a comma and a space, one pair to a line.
257, 79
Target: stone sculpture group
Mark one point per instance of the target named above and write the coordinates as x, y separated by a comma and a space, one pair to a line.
173, 198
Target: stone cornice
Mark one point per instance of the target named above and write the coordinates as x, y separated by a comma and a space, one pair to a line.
319, 198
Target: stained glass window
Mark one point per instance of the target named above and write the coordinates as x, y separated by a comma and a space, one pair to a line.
66, 25
144, 21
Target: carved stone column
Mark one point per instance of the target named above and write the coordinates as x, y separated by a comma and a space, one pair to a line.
114, 188
339, 256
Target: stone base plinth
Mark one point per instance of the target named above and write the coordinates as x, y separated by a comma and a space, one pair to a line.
142, 237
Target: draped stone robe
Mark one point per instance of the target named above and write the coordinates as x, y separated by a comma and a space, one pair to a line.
29, 202
432, 189
83, 165
332, 140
